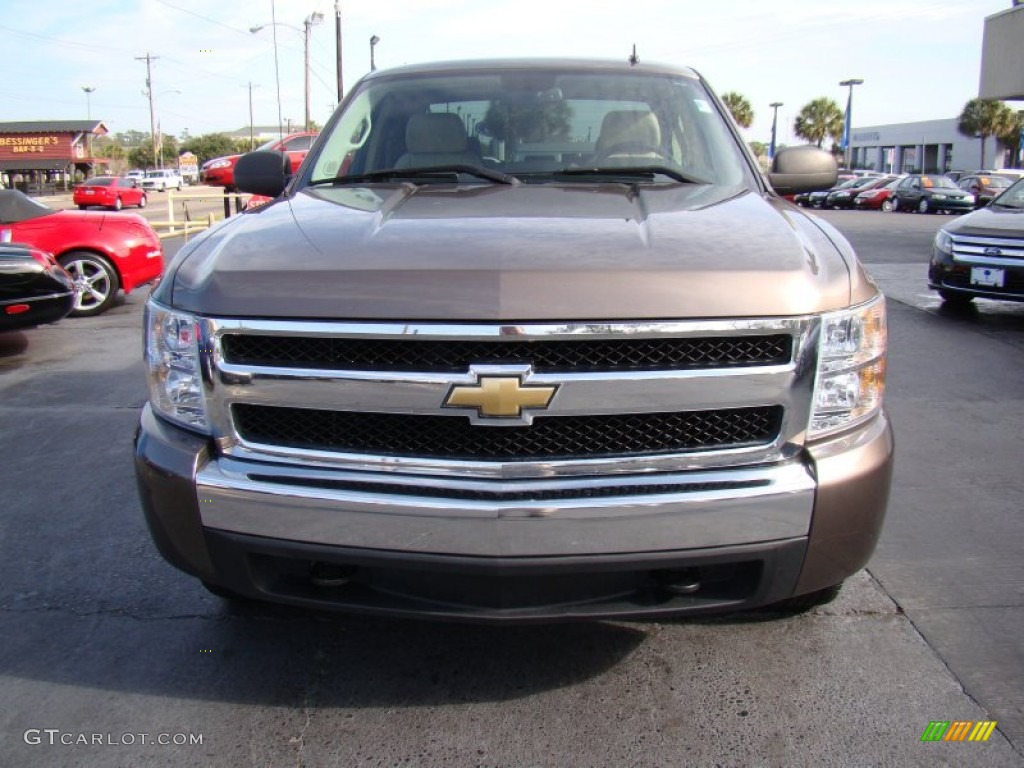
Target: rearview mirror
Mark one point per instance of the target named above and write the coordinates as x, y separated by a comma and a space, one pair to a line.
262, 173
802, 169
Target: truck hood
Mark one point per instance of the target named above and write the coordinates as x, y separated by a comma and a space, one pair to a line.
989, 222
525, 252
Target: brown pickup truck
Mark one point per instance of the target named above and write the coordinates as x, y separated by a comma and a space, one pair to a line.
520, 340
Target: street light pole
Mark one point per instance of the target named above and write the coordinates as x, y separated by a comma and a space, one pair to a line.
847, 124
373, 43
775, 121
89, 89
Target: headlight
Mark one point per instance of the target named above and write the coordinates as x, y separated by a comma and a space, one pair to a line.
842, 194
943, 242
173, 367
938, 196
851, 368
220, 164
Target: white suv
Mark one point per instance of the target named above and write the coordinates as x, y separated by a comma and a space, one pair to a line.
163, 180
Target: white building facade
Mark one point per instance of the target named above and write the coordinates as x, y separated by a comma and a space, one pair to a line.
928, 146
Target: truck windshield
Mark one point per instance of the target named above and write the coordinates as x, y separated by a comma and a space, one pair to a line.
534, 125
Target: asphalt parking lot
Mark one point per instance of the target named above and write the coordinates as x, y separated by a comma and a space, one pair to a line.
99, 636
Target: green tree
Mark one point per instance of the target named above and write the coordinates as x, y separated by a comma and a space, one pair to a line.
142, 155
983, 118
740, 108
211, 145
759, 148
818, 119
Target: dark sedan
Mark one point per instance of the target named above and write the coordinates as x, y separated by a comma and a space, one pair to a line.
817, 199
930, 193
981, 255
34, 288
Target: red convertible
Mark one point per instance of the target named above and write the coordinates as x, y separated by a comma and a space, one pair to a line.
110, 192
103, 252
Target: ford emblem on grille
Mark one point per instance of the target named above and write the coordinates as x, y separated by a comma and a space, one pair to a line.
993, 252
500, 395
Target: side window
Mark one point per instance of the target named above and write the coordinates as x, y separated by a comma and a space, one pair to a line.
298, 144
348, 138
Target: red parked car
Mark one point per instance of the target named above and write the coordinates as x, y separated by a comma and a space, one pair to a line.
104, 253
877, 198
220, 172
110, 192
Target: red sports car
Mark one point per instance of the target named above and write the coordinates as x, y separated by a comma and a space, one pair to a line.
103, 252
109, 191
220, 172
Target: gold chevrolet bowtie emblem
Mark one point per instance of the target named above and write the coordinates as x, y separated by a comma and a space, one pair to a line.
499, 397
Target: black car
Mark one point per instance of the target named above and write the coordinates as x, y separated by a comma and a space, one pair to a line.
817, 199
981, 255
34, 288
844, 197
930, 193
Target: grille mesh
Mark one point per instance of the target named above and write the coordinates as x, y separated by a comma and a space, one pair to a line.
546, 356
552, 437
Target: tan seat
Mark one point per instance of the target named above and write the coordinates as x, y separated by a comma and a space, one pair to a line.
436, 139
628, 134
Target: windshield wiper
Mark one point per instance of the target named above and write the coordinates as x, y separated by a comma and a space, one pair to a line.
633, 172
414, 174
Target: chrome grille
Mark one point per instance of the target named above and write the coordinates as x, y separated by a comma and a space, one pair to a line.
983, 249
548, 438
546, 356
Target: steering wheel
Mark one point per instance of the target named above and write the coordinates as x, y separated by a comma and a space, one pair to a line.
631, 149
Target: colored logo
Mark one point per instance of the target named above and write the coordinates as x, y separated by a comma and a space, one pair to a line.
958, 730
499, 397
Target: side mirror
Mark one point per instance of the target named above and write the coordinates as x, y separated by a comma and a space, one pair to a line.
802, 169
262, 173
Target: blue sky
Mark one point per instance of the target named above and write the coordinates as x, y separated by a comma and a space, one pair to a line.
920, 59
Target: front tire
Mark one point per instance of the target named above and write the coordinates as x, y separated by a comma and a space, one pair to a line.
118, 204
895, 204
923, 206
142, 202
96, 282
887, 206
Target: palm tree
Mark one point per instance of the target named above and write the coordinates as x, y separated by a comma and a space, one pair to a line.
1011, 139
740, 108
984, 118
818, 119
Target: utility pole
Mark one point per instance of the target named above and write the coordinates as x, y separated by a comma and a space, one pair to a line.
308, 23
149, 93
337, 33
252, 141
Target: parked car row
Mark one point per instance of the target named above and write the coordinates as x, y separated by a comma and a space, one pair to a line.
924, 193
